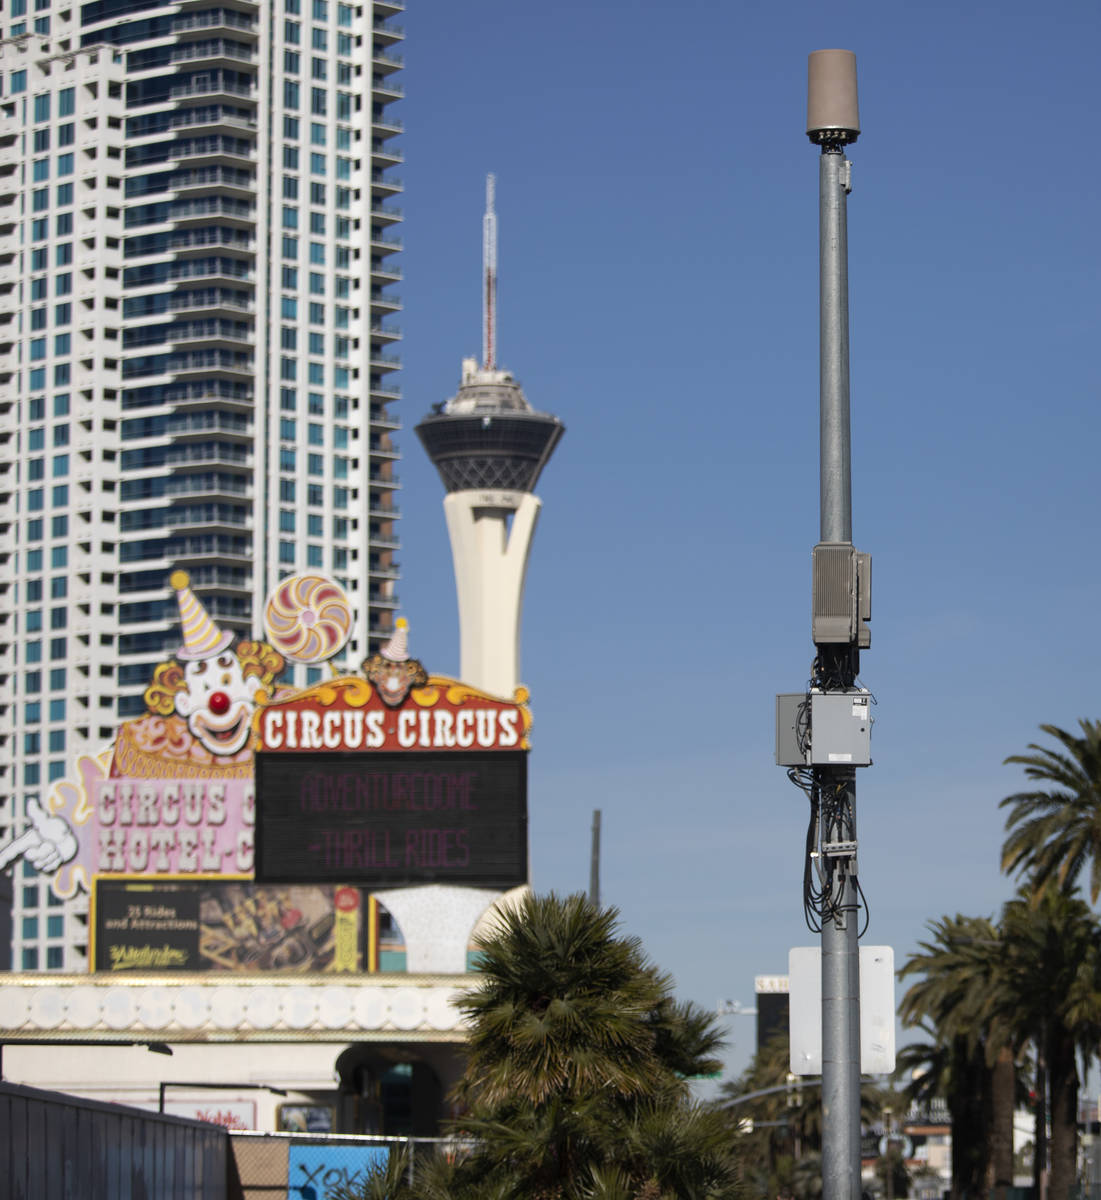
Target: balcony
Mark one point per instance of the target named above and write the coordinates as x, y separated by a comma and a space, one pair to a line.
210, 178
213, 50
381, 153
218, 18
385, 302
216, 85
207, 453
385, 214
383, 181
383, 61
385, 34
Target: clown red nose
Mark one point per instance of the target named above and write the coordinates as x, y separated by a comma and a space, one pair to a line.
218, 703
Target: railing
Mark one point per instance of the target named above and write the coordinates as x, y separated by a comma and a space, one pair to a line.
217, 16
217, 48
209, 89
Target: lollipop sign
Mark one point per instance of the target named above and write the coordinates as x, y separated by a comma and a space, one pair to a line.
308, 618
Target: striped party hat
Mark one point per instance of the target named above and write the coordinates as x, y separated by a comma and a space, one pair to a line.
397, 648
201, 637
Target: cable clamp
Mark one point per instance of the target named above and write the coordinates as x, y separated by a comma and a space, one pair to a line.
839, 849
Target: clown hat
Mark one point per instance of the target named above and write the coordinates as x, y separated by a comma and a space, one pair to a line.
201, 637
397, 648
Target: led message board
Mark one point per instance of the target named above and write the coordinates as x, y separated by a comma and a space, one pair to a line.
387, 819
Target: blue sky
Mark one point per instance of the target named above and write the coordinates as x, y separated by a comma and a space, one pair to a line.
657, 203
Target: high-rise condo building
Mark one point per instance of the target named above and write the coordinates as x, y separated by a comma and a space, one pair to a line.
196, 357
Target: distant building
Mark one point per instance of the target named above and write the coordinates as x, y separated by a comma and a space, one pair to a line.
196, 254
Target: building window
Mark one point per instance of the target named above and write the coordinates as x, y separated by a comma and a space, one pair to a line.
287, 491
315, 495
316, 464
286, 552
289, 306
30, 953
66, 102
286, 520
288, 399
317, 434
290, 127
290, 93
291, 62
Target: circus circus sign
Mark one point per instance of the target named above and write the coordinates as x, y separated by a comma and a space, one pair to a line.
350, 715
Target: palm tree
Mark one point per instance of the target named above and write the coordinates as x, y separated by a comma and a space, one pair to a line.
1055, 833
578, 1057
1051, 966
956, 1003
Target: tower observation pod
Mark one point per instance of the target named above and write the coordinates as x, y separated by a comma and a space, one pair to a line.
489, 446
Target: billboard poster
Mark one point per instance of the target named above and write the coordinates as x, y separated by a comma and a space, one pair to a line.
386, 820
218, 925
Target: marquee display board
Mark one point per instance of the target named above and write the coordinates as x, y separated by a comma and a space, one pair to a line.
217, 925
388, 819
419, 785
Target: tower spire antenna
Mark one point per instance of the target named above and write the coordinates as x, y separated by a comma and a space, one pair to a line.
489, 277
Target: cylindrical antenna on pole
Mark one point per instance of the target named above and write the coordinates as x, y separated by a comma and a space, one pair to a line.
489, 277
594, 861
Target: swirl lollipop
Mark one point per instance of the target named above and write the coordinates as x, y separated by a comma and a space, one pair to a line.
308, 618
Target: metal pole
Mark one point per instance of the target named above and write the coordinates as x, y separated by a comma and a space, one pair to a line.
594, 861
835, 473
833, 122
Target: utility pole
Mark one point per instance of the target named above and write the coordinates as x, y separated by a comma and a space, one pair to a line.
833, 121
824, 734
594, 861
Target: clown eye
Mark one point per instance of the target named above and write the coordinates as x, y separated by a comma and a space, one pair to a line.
200, 666
226, 660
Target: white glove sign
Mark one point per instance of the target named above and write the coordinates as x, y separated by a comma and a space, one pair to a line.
46, 843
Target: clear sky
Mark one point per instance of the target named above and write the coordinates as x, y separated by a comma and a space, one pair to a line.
657, 203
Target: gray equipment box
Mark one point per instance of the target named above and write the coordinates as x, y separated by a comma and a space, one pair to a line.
793, 729
841, 728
